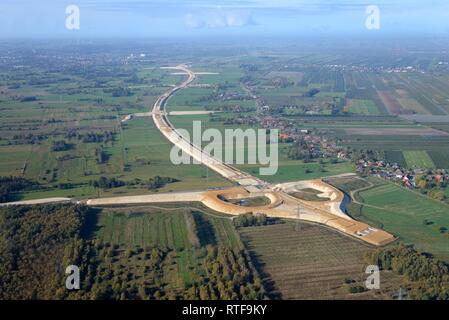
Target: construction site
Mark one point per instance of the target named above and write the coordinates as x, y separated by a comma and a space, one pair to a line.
281, 202
329, 211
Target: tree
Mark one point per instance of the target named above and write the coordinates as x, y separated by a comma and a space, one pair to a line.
204, 292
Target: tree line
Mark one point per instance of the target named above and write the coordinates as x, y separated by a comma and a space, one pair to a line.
253, 220
9, 186
152, 184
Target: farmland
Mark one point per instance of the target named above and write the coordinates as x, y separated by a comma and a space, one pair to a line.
288, 170
85, 116
415, 148
165, 252
414, 218
163, 226
440, 157
285, 254
291, 170
395, 156
144, 253
432, 158
309, 92
183, 233
310, 262
63, 127
418, 159
406, 93
363, 107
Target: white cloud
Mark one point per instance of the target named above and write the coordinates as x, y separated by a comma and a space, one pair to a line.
219, 19
193, 22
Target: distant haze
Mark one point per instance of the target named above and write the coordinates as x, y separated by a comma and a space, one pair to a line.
197, 18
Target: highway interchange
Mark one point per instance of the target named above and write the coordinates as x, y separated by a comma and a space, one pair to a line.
282, 204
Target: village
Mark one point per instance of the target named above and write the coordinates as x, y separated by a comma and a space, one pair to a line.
312, 145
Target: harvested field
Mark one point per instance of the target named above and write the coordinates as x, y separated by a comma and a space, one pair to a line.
424, 132
293, 76
426, 118
413, 105
311, 262
392, 104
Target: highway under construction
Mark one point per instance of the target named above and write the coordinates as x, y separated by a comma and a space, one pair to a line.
329, 211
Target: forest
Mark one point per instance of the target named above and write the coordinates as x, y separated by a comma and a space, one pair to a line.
38, 243
428, 278
32, 248
10, 185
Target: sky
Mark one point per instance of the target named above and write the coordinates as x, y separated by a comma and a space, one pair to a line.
193, 18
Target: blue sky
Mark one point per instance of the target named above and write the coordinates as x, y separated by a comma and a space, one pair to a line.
169, 18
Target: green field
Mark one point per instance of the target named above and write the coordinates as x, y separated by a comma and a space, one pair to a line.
292, 170
418, 159
362, 107
189, 99
139, 152
288, 170
148, 154
285, 255
414, 218
71, 106
163, 226
395, 156
140, 229
440, 158
166, 227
